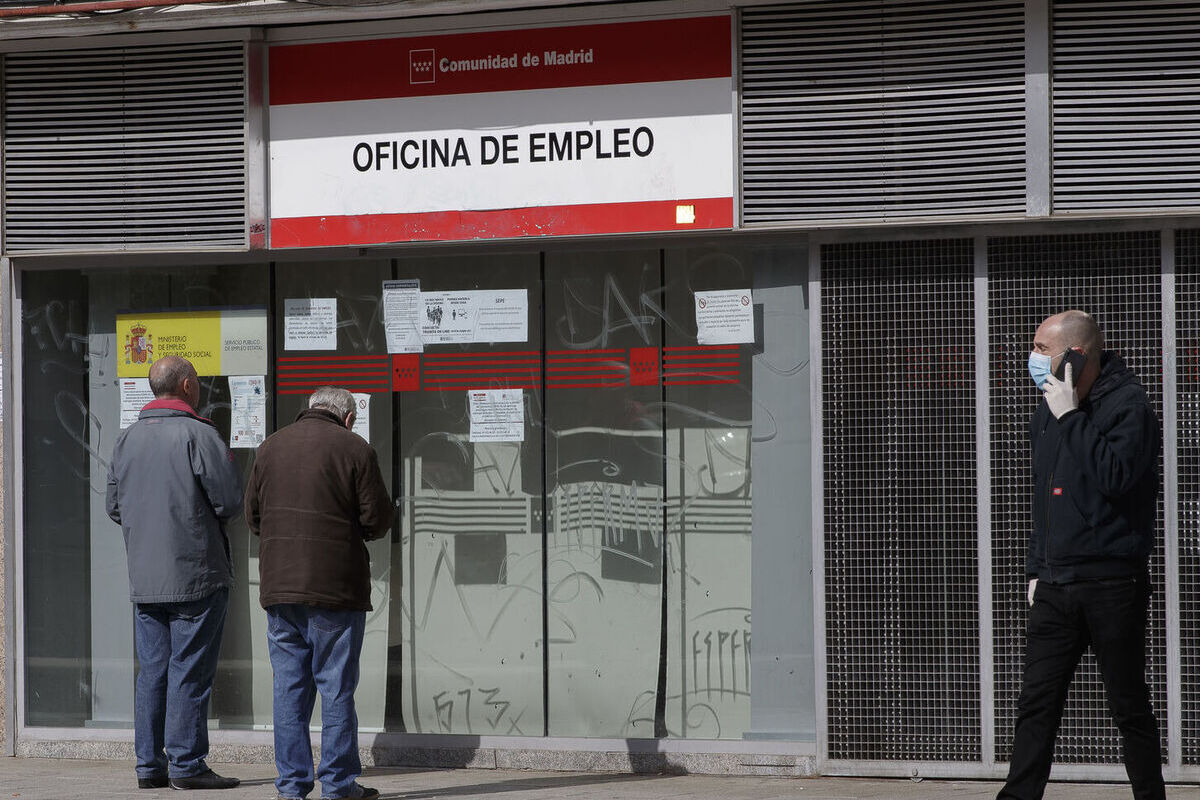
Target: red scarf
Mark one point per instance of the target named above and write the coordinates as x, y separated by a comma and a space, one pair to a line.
171, 404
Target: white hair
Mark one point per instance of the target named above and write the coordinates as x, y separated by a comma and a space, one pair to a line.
333, 398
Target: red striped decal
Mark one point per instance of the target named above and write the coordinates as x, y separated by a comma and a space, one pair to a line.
618, 369
384, 384
438, 384
504, 354
303, 374
433, 362
508, 382
572, 220
339, 375
503, 369
470, 387
596, 385
328, 359
565, 369
586, 369
468, 371
702, 374
731, 358
702, 365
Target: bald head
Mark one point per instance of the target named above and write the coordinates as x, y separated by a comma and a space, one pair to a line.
172, 377
1076, 328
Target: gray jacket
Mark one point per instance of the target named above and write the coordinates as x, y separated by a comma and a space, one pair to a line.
172, 486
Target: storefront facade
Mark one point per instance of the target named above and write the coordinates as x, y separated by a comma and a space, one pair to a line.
662, 317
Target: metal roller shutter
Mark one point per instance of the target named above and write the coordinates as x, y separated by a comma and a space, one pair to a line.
901, 542
126, 149
863, 111
1126, 105
1116, 277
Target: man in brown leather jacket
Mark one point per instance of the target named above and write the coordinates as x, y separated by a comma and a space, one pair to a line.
315, 498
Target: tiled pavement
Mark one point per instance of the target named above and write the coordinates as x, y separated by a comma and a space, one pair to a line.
61, 779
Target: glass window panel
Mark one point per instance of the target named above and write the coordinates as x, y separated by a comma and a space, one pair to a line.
605, 479
466, 638
58, 680
707, 390
79, 634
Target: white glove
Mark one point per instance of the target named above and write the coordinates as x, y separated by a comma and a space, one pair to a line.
1061, 395
1032, 589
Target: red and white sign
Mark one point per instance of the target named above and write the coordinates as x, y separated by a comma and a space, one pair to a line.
575, 130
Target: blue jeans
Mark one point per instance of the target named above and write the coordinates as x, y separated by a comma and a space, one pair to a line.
315, 649
177, 648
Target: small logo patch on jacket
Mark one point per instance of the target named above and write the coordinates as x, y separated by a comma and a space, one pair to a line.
1058, 491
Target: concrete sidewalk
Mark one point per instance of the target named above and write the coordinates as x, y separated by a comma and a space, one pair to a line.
60, 779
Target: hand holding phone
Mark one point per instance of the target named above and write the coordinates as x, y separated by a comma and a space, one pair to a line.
1060, 393
1077, 360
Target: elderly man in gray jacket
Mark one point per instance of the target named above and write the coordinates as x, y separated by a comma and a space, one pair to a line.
171, 487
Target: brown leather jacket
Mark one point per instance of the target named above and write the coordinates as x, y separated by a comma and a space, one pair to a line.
314, 498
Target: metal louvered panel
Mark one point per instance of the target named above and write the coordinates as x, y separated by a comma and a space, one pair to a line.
126, 149
879, 110
1126, 105
901, 544
1117, 278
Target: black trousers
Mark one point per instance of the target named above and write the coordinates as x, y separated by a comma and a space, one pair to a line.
1110, 616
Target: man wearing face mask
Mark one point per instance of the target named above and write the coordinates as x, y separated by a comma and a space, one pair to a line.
1095, 441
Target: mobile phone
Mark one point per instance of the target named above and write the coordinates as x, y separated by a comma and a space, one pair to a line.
1076, 359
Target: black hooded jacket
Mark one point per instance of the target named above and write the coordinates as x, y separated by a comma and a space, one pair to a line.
1095, 482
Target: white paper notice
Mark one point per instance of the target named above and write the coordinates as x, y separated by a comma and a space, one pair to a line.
725, 317
448, 317
310, 323
402, 316
496, 315
135, 393
248, 417
497, 415
362, 415
503, 316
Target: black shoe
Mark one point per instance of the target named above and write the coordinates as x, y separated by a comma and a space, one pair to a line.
154, 783
204, 780
357, 792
